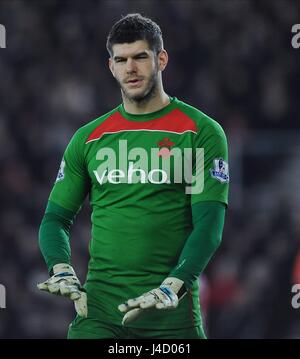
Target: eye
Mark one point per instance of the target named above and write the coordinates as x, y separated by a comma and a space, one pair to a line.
144, 56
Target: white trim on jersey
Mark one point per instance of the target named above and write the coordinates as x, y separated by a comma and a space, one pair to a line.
140, 129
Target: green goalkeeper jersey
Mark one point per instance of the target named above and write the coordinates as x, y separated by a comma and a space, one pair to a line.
142, 174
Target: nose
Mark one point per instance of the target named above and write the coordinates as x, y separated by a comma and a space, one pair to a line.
130, 66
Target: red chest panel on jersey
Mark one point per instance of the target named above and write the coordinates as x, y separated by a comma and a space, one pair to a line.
174, 122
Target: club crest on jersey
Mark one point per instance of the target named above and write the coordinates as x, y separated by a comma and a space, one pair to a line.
61, 171
220, 170
164, 147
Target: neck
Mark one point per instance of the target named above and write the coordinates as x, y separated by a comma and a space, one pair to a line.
155, 103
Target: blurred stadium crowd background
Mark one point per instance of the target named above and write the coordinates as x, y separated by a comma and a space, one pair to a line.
233, 60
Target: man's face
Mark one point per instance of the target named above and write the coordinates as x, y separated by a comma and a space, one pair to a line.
136, 68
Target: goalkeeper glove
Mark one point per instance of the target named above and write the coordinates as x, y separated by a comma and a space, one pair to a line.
166, 296
65, 282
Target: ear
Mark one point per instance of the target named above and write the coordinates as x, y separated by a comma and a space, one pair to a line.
111, 66
162, 59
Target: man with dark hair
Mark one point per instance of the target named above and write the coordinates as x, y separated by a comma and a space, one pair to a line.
135, 27
151, 167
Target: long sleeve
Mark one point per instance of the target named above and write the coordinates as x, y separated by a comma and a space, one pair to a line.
54, 235
208, 221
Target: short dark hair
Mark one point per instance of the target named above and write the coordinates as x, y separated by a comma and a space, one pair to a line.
134, 27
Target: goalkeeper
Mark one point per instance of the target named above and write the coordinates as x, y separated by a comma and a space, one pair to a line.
152, 234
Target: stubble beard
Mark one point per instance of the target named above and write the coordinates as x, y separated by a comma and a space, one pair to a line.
146, 95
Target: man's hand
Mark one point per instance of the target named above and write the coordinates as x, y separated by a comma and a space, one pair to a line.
166, 296
65, 282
